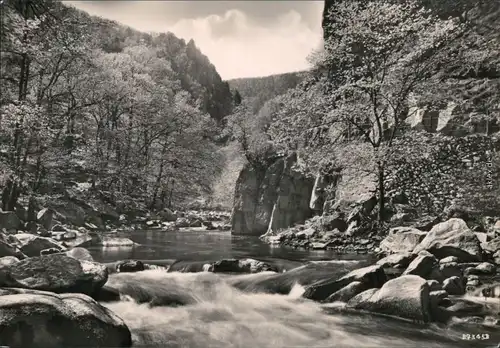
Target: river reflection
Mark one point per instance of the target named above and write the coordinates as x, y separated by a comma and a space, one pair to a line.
199, 245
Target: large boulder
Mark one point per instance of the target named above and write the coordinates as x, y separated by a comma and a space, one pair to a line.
32, 245
405, 297
56, 273
39, 319
361, 297
401, 240
496, 257
446, 270
69, 212
452, 238
182, 222
486, 268
334, 221
49, 251
67, 235
283, 282
372, 276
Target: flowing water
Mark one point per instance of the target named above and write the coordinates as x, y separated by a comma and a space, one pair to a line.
231, 310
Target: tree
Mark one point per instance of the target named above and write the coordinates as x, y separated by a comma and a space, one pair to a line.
376, 55
80, 93
36, 52
249, 131
237, 97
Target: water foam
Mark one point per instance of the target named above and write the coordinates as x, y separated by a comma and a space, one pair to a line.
218, 315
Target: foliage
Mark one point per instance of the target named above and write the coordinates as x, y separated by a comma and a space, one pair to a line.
250, 132
258, 90
137, 112
375, 56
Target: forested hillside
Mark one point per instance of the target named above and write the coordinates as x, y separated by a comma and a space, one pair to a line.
87, 103
398, 85
258, 90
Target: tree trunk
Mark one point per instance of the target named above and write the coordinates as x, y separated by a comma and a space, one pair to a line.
6, 194
381, 192
31, 209
13, 196
170, 196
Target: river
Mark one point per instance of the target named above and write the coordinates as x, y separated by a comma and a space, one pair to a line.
219, 315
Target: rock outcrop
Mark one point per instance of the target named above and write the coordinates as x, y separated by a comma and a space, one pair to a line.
271, 198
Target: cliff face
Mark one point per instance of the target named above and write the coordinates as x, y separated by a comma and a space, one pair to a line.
472, 78
271, 198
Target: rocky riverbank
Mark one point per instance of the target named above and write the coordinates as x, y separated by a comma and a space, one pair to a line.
46, 269
449, 274
421, 275
416, 287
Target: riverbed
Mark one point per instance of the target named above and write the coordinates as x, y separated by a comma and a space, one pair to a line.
221, 315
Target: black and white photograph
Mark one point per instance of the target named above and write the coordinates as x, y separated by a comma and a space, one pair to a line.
250, 174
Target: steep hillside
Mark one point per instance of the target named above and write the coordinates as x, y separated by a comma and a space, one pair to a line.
396, 125
115, 117
262, 89
191, 67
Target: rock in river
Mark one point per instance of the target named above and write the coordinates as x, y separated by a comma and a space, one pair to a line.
39, 319
372, 276
405, 297
56, 273
130, 266
117, 242
241, 266
347, 292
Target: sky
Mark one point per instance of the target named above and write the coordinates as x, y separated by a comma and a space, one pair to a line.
241, 38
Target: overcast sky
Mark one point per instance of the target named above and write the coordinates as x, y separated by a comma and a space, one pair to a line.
241, 38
